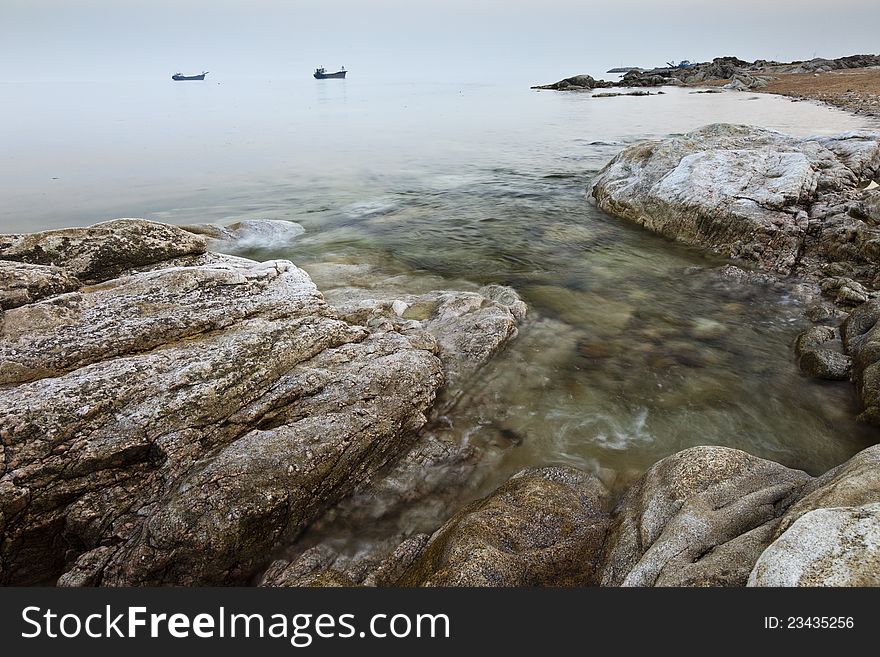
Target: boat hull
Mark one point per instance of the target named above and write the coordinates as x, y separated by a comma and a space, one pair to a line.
181, 78
339, 75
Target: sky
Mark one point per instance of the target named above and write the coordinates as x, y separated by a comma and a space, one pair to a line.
469, 40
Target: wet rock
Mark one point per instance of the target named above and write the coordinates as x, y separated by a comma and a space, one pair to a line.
819, 354
314, 568
21, 283
700, 517
742, 276
257, 233
747, 193
615, 94
544, 527
826, 547
102, 251
249, 234
211, 231
703, 328
823, 311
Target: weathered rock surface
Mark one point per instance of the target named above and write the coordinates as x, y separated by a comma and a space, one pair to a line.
753, 194
706, 516
700, 517
323, 566
174, 422
21, 283
543, 527
826, 547
853, 483
102, 251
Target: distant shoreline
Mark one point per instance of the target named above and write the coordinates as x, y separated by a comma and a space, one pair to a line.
848, 83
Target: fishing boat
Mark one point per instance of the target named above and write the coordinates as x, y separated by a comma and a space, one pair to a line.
322, 74
178, 77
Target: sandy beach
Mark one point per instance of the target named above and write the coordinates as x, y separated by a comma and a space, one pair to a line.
853, 90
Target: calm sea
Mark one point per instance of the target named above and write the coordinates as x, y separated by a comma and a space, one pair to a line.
633, 349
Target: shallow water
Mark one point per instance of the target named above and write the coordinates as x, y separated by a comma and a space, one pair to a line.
634, 348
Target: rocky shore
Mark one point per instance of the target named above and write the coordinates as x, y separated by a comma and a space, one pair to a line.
175, 416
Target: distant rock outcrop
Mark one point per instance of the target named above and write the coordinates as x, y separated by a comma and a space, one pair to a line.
740, 74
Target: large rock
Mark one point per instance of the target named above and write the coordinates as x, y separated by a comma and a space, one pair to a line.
750, 193
827, 547
139, 312
543, 527
174, 423
831, 535
700, 517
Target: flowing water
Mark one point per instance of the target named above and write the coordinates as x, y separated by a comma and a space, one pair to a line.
635, 348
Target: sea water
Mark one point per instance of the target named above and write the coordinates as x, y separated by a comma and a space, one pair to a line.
634, 347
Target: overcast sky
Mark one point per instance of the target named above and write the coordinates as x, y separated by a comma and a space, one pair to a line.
532, 41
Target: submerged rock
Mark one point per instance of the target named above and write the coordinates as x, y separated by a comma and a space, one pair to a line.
249, 234
543, 527
175, 422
